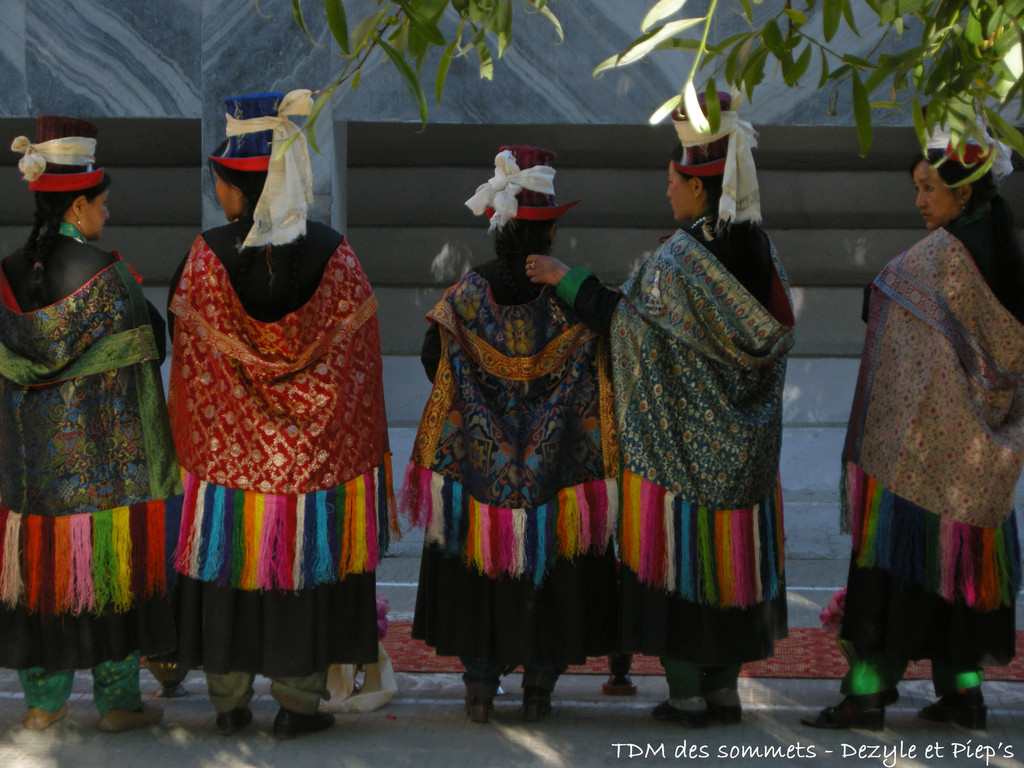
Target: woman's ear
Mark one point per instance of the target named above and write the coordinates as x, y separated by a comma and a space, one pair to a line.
73, 215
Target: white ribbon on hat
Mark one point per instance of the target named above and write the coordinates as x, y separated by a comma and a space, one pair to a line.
508, 181
1002, 166
280, 214
741, 196
69, 150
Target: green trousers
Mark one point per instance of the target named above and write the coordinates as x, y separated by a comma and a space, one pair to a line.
231, 690
686, 680
115, 685
879, 672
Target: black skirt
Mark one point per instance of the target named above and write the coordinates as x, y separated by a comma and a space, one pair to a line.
570, 616
886, 615
276, 633
657, 623
81, 642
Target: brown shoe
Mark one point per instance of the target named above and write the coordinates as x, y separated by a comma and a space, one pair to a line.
117, 720
40, 719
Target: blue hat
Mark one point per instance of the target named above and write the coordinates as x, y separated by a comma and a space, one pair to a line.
250, 151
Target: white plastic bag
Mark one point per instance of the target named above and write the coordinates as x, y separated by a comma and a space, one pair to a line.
379, 685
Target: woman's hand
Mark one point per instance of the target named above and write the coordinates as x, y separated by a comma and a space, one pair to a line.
544, 269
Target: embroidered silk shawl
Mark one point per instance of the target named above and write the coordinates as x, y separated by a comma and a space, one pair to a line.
515, 459
281, 431
88, 475
699, 365
935, 442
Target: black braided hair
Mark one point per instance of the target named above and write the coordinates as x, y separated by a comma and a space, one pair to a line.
49, 213
512, 244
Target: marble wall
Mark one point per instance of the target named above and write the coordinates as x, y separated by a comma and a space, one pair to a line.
174, 58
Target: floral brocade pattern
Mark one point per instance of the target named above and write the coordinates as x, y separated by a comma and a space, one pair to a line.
699, 366
938, 416
291, 406
75, 444
520, 408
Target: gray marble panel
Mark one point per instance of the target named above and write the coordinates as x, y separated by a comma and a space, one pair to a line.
12, 57
542, 81
249, 48
113, 58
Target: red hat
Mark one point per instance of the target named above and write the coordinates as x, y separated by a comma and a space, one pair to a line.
62, 157
704, 159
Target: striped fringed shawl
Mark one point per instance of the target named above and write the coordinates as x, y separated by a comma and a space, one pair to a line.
728, 558
86, 562
255, 541
500, 541
966, 564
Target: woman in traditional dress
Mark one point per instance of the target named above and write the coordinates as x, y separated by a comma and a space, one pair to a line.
699, 338
933, 452
277, 408
88, 477
513, 470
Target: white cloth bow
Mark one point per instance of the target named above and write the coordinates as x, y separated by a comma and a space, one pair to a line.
741, 196
280, 215
501, 190
70, 150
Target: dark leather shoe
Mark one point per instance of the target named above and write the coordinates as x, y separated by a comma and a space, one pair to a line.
697, 718
536, 704
289, 724
889, 696
966, 708
852, 712
229, 722
479, 708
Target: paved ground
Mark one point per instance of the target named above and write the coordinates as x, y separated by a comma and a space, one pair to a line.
424, 726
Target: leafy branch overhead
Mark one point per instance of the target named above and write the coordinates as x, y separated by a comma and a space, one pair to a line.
405, 31
962, 59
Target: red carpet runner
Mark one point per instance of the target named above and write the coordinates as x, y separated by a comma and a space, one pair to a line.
807, 652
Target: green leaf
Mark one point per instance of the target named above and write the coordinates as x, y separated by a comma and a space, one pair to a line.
1006, 132
547, 14
799, 18
442, 68
713, 107
423, 25
661, 10
848, 15
772, 37
483, 55
972, 30
919, 125
365, 28
645, 44
665, 109
824, 70
803, 61
338, 24
297, 12
310, 127
409, 78
862, 114
831, 11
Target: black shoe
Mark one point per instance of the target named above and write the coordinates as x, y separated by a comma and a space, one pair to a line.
889, 696
865, 712
536, 704
697, 718
289, 724
966, 708
479, 708
727, 714
229, 722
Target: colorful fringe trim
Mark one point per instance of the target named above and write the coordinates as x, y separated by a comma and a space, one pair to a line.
727, 558
499, 541
979, 567
258, 541
82, 563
